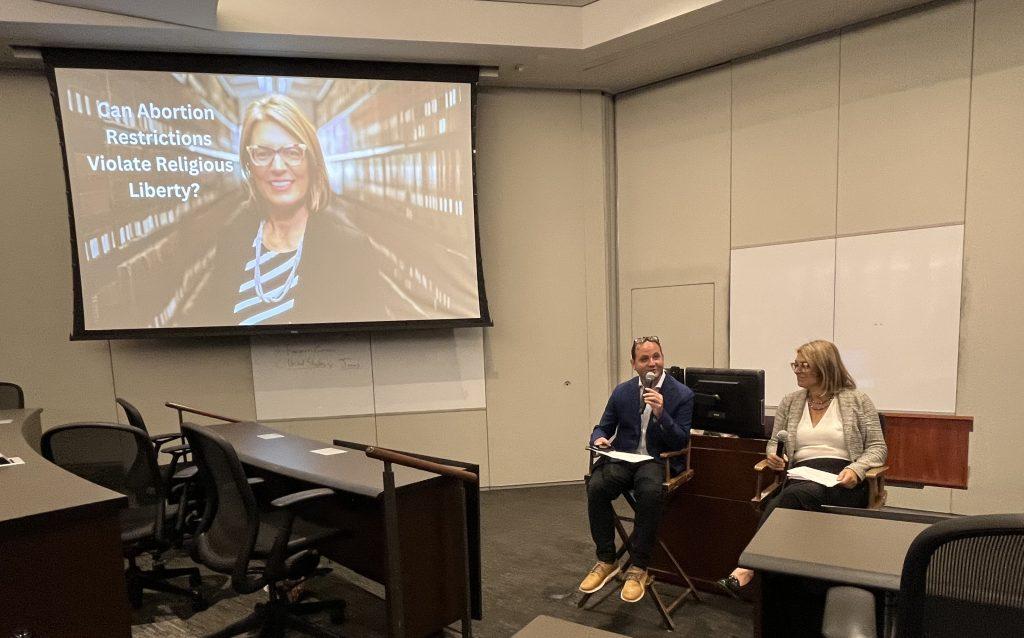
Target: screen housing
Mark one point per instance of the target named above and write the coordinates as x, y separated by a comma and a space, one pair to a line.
728, 401
258, 66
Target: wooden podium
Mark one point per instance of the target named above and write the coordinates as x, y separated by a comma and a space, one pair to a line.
927, 449
710, 519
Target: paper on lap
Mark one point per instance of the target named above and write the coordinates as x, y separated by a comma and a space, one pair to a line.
624, 456
810, 474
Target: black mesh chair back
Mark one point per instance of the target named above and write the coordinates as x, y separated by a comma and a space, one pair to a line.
11, 396
122, 458
231, 522
118, 457
965, 577
134, 416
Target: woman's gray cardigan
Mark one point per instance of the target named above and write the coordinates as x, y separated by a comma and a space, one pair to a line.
861, 428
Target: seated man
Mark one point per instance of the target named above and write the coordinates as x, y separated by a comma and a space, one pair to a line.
644, 418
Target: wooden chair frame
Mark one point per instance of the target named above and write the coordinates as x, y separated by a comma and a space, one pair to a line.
670, 485
770, 481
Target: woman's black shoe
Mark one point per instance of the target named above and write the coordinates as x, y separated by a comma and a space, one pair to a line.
730, 585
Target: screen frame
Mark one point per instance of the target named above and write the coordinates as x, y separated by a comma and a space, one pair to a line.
119, 60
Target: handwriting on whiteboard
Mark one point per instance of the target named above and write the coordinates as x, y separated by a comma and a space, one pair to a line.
314, 357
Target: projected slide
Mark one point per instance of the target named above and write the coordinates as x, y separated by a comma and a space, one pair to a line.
204, 200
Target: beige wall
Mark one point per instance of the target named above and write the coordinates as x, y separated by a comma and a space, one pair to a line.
902, 123
545, 238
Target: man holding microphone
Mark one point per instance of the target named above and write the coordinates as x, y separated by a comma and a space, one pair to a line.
648, 414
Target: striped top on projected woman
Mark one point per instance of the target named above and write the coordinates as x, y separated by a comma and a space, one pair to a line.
267, 292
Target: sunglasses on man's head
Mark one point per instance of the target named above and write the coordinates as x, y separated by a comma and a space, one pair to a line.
652, 339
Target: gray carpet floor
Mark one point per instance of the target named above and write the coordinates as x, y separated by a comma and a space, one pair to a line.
536, 548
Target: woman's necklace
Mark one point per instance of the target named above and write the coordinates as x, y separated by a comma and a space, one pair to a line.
288, 282
821, 403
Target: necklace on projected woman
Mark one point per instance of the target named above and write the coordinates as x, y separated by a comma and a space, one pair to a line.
257, 277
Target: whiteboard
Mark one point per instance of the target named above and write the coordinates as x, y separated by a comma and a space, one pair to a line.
384, 373
898, 315
311, 376
428, 370
779, 298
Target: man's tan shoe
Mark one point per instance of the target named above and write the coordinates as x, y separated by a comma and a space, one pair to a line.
599, 574
636, 583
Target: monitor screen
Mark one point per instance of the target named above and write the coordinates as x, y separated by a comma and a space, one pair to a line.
244, 195
728, 401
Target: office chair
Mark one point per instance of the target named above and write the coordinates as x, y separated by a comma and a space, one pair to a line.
178, 453
11, 396
669, 487
123, 459
179, 475
254, 547
962, 577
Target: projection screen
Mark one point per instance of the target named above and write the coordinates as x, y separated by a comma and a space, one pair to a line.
291, 196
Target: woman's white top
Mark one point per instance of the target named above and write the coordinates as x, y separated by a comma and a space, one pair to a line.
824, 440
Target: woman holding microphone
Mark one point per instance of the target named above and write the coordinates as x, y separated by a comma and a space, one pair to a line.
831, 426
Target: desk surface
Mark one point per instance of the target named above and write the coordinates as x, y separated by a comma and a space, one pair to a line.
39, 488
291, 455
867, 552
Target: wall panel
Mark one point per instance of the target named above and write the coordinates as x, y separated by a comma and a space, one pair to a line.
533, 240
785, 117
991, 336
672, 154
904, 102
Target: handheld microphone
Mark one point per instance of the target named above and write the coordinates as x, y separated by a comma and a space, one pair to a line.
649, 380
780, 446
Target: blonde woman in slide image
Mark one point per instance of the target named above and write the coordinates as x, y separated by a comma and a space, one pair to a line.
831, 426
287, 178
285, 256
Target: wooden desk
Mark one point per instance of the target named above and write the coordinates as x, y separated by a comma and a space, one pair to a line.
854, 550
61, 567
429, 515
799, 554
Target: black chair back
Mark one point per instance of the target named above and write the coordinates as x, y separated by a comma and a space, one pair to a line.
134, 416
11, 396
963, 577
228, 532
118, 457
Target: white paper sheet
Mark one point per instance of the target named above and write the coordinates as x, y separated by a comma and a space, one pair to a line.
624, 456
328, 451
270, 436
811, 474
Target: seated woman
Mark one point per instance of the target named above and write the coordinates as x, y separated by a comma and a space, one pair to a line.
833, 427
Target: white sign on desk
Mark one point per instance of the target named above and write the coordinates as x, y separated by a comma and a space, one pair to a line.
312, 376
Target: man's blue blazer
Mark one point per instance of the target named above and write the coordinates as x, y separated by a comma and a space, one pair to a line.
668, 433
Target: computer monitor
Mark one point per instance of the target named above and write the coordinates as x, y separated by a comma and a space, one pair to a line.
728, 401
